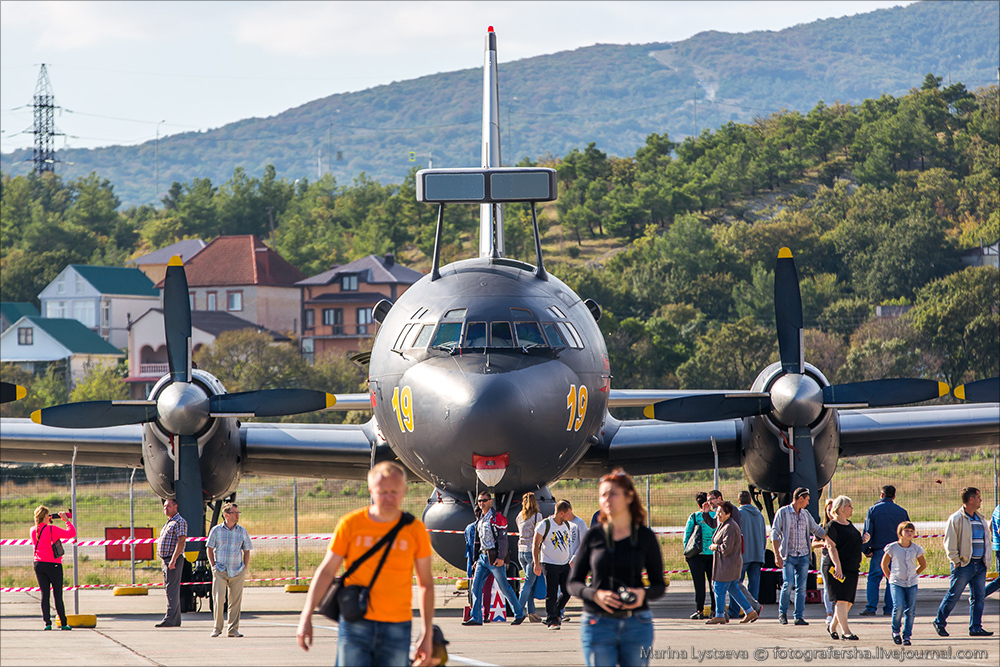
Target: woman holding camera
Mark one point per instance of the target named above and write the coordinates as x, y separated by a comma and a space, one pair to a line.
48, 566
616, 622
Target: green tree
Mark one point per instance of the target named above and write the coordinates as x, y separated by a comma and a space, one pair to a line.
729, 357
102, 382
248, 360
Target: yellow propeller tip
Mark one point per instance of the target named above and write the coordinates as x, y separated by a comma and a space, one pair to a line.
960, 392
648, 411
943, 389
784, 253
331, 400
36, 416
175, 261
19, 392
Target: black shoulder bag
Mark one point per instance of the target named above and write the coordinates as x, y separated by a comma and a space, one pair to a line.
351, 602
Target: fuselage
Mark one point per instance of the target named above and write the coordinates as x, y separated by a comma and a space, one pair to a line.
489, 360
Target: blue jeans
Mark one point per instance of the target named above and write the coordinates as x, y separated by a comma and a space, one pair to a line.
874, 579
483, 568
735, 594
827, 602
527, 597
365, 643
797, 568
617, 641
995, 584
972, 575
904, 601
752, 573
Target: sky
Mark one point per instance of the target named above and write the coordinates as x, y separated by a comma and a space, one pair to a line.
127, 72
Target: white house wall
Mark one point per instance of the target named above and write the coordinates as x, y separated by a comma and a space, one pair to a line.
277, 308
44, 347
126, 309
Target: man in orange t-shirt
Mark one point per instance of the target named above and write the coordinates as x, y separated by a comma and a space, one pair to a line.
382, 637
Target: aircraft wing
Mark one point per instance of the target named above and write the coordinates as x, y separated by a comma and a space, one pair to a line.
342, 451
640, 398
892, 430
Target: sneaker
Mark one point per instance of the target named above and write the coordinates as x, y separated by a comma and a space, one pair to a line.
519, 620
216, 633
48, 626
981, 632
472, 622
906, 642
69, 627
698, 616
555, 626
940, 629
235, 634
783, 619
896, 639
534, 618
801, 621
866, 613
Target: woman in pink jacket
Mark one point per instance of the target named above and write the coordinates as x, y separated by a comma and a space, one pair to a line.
48, 566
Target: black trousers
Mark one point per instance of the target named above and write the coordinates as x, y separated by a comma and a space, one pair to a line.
701, 570
556, 578
51, 575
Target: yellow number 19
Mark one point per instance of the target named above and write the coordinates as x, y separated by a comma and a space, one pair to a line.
402, 405
576, 403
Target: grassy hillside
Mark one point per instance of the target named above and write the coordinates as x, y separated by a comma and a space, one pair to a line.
613, 95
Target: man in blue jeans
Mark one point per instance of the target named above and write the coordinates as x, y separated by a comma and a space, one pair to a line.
881, 522
965, 546
790, 535
754, 543
492, 560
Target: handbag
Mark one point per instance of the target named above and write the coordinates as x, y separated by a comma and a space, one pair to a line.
693, 545
351, 602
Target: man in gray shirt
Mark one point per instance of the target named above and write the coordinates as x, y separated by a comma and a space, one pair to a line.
790, 535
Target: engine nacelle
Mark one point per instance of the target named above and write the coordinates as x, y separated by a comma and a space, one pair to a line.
219, 448
764, 458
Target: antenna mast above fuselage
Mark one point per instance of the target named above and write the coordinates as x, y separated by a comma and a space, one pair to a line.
491, 215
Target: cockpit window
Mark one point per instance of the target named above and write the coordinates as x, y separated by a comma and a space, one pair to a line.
555, 339
475, 335
500, 335
448, 335
520, 313
570, 334
424, 336
529, 334
556, 312
455, 314
402, 336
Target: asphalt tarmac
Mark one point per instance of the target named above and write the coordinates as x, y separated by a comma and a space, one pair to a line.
125, 635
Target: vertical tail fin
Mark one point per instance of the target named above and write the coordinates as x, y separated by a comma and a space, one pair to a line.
491, 215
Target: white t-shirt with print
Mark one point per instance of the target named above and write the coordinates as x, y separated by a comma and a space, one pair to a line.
557, 544
903, 568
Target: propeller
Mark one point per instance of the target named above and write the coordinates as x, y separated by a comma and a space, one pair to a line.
980, 391
795, 399
183, 408
11, 392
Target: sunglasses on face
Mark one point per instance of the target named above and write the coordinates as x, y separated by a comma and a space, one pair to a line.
484, 500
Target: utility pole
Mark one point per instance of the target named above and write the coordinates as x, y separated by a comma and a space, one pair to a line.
44, 129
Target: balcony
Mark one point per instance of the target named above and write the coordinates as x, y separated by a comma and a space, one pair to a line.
153, 370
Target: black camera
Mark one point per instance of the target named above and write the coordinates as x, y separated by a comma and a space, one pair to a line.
626, 596
55, 515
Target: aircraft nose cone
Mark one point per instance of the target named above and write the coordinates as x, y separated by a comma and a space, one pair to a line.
183, 408
797, 400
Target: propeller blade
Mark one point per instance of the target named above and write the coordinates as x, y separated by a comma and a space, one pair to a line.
788, 313
804, 472
187, 487
980, 391
709, 407
11, 392
270, 402
177, 320
96, 414
880, 393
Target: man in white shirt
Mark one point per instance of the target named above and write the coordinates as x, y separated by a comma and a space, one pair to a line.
552, 551
578, 528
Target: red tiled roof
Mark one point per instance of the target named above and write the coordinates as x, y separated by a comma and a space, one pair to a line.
239, 260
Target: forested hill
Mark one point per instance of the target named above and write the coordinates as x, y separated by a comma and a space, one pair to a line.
612, 95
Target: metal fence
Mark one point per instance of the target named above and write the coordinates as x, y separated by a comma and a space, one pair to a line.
291, 520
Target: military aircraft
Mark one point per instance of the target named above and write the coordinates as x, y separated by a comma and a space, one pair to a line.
490, 373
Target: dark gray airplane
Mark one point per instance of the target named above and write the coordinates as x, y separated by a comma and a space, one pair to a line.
490, 373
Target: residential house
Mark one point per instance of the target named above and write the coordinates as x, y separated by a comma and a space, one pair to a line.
34, 343
154, 264
242, 276
982, 255
12, 311
102, 298
337, 304
147, 346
